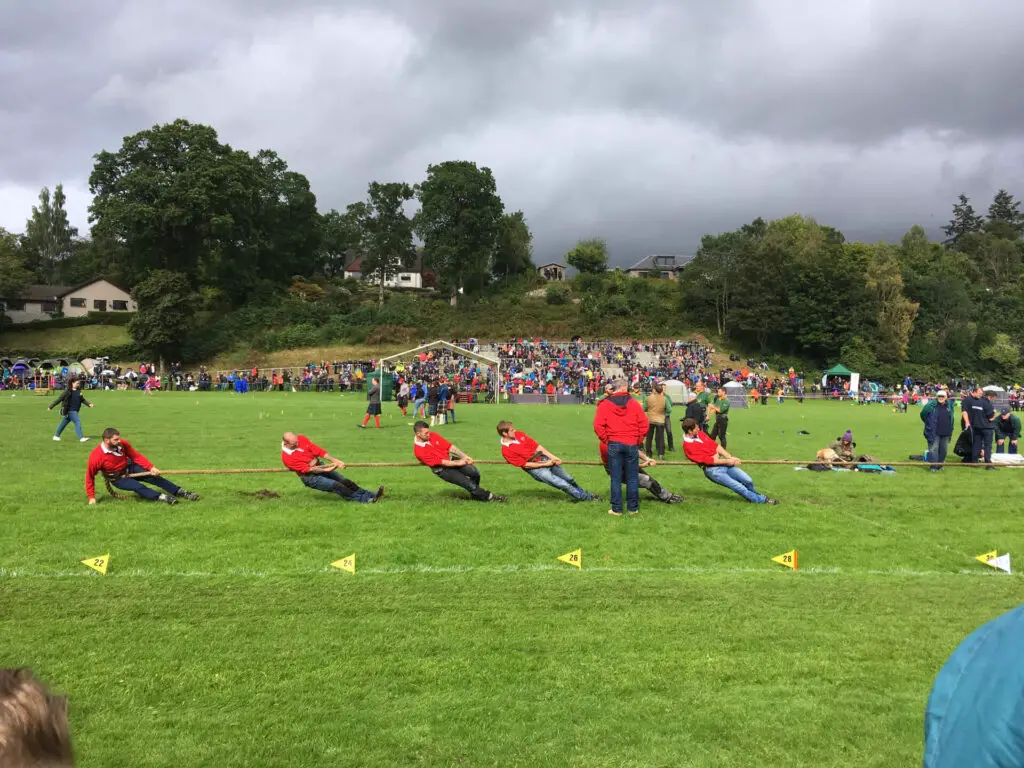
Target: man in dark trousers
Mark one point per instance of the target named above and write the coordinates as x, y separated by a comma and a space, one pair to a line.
116, 458
1007, 432
621, 423
448, 462
318, 470
937, 416
979, 414
720, 407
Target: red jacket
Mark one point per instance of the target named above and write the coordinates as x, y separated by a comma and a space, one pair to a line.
303, 457
111, 461
620, 419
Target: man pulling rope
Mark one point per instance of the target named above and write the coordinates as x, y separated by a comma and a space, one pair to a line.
317, 469
116, 459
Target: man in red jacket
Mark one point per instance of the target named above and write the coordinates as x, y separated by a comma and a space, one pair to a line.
116, 458
317, 469
621, 423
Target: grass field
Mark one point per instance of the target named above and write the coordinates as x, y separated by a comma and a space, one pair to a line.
221, 637
64, 340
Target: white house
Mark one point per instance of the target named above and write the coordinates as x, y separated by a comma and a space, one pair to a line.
40, 302
410, 278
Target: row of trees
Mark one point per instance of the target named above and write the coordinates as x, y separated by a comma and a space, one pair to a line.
795, 287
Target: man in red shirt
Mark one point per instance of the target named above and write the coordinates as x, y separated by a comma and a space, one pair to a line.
448, 462
317, 469
620, 422
658, 491
116, 458
521, 450
718, 464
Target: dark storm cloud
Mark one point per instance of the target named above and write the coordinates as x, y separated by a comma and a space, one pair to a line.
649, 122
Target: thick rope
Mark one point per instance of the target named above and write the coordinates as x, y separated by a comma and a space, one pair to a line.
752, 462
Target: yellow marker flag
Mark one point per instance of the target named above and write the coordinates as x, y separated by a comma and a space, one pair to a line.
347, 564
98, 563
572, 558
788, 559
987, 556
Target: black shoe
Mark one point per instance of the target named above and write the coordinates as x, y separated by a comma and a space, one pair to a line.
167, 499
771, 501
188, 495
377, 496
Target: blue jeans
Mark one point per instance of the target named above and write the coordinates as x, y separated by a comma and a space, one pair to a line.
334, 482
136, 484
624, 458
558, 478
71, 418
735, 479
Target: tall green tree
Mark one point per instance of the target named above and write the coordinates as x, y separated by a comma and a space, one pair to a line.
49, 237
589, 256
180, 200
341, 234
513, 251
1006, 209
387, 232
964, 222
166, 307
14, 276
458, 222
896, 313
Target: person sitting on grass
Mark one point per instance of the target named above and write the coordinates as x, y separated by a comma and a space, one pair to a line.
645, 480
521, 450
448, 462
718, 464
841, 452
318, 470
116, 459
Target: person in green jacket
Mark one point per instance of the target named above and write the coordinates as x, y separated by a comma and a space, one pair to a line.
720, 407
1007, 431
668, 423
706, 399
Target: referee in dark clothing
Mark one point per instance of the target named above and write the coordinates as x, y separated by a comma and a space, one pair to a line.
979, 414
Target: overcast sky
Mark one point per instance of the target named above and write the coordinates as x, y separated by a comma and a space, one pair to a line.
647, 122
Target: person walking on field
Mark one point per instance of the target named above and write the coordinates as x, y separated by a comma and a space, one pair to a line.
318, 470
403, 397
720, 407
373, 409
116, 458
449, 463
621, 423
71, 401
654, 406
521, 450
718, 464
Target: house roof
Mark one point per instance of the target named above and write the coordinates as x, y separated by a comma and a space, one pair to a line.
417, 265
51, 292
678, 261
551, 264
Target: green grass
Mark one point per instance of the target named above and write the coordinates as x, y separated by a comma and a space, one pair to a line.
220, 636
54, 341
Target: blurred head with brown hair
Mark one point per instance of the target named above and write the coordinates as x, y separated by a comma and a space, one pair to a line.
33, 723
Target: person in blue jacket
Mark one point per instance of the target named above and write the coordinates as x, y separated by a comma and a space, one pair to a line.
937, 416
976, 707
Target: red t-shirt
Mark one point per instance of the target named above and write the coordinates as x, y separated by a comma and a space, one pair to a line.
434, 452
700, 449
300, 459
520, 451
111, 461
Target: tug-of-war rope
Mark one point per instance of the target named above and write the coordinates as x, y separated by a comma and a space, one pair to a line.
745, 462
